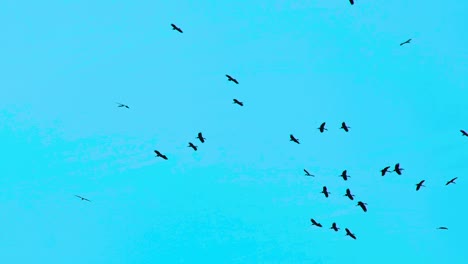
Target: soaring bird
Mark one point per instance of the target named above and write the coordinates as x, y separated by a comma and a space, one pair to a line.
191, 145
158, 154
231, 79
308, 174
174, 27
122, 105
293, 139
334, 227
345, 127
238, 102
345, 175
363, 206
349, 195
464, 133
406, 42
200, 137
385, 170
352, 2
398, 169
325, 192
419, 185
443, 228
82, 198
315, 223
322, 127
451, 181
348, 233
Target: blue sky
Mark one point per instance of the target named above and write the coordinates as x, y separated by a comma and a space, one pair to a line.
242, 198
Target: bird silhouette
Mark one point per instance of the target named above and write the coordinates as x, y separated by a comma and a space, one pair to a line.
344, 175
349, 195
406, 42
200, 137
325, 192
231, 79
348, 233
307, 173
293, 139
398, 169
419, 185
385, 170
464, 133
363, 206
315, 223
174, 27
82, 198
158, 154
451, 181
345, 127
322, 127
443, 228
191, 145
122, 105
238, 102
351, 1
334, 227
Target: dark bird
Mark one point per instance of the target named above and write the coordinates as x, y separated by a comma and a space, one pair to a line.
200, 137
325, 192
345, 127
158, 154
352, 2
398, 169
231, 79
406, 42
238, 102
363, 206
122, 105
349, 195
419, 185
322, 127
307, 173
385, 170
82, 198
315, 223
334, 227
464, 133
451, 181
443, 228
174, 27
345, 175
293, 139
191, 145
348, 233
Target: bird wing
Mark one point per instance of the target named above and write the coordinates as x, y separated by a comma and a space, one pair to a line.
79, 196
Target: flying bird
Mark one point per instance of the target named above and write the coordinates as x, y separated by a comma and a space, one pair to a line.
345, 175
334, 227
363, 206
322, 127
451, 181
349, 195
82, 198
238, 102
293, 139
398, 169
348, 233
315, 223
464, 133
352, 2
191, 145
385, 170
325, 192
158, 154
122, 105
419, 185
406, 42
308, 174
231, 79
345, 127
200, 137
174, 27
443, 228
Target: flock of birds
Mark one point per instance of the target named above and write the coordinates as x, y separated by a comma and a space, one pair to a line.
397, 169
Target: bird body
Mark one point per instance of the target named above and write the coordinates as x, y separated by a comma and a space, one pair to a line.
363, 206
160, 155
351, 1
315, 223
174, 27
122, 105
308, 174
349, 195
344, 175
293, 139
406, 42
231, 79
325, 191
464, 133
82, 198
348, 233
345, 127
451, 181
322, 127
334, 227
419, 185
200, 137
238, 102
443, 228
191, 145
385, 170
398, 169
